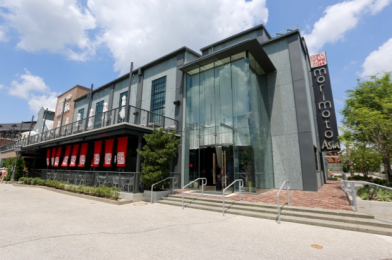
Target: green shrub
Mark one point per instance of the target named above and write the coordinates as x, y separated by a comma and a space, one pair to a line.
26, 180
35, 181
100, 191
363, 192
79, 189
383, 194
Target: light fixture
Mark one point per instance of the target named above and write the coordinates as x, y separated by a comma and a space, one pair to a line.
135, 113
177, 102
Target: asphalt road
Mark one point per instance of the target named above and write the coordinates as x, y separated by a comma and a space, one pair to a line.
41, 224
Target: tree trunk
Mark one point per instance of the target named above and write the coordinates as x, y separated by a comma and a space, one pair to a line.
387, 169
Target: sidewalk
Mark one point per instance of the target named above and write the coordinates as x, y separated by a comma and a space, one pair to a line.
42, 224
329, 196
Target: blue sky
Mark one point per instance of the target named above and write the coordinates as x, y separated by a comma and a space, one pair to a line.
47, 47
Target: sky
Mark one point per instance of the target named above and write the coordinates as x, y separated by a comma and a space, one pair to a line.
49, 46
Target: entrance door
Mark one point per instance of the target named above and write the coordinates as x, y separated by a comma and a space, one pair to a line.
214, 163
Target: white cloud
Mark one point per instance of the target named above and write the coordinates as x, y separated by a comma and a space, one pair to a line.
27, 84
378, 61
1, 86
138, 30
339, 19
3, 37
55, 26
33, 89
142, 30
46, 100
379, 5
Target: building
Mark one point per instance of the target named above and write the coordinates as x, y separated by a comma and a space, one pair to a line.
10, 133
65, 103
244, 108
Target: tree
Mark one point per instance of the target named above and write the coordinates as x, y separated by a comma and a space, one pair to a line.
157, 154
368, 116
365, 159
9, 163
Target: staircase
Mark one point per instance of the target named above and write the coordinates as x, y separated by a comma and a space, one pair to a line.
346, 220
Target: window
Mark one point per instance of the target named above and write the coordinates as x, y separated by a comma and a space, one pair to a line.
81, 112
98, 114
158, 97
121, 96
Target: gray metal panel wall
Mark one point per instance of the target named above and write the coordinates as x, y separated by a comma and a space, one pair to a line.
283, 118
178, 111
303, 115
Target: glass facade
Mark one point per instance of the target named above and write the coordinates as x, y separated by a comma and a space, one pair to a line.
227, 133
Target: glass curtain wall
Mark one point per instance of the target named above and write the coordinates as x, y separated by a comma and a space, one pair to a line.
227, 134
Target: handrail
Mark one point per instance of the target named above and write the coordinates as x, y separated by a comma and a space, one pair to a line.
354, 192
152, 186
202, 188
223, 193
287, 182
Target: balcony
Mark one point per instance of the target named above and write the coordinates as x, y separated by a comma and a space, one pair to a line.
138, 117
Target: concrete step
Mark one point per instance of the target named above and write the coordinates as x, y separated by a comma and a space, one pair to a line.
259, 206
353, 219
326, 218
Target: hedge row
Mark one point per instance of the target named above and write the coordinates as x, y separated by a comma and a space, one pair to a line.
99, 191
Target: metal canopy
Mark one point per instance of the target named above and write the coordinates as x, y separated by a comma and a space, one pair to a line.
253, 46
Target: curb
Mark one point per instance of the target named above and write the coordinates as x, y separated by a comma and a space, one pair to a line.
83, 196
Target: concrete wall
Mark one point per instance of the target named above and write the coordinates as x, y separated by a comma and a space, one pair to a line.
284, 130
119, 87
190, 57
303, 104
167, 68
102, 95
83, 103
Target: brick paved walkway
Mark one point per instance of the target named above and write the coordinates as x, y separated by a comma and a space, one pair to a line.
329, 196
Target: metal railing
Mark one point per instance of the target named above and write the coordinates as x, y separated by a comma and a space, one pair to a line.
288, 196
152, 186
352, 190
127, 181
223, 192
202, 188
137, 116
6, 147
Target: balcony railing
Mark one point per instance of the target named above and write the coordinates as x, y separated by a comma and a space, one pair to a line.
137, 116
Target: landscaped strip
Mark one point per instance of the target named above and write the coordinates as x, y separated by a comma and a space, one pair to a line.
98, 191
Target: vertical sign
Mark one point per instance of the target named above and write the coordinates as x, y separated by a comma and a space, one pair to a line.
325, 109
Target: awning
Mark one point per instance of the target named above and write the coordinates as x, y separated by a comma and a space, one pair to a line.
97, 153
121, 151
53, 156
66, 156
108, 153
57, 158
48, 157
74, 155
83, 154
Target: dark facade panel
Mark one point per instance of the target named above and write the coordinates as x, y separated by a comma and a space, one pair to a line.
308, 163
305, 139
